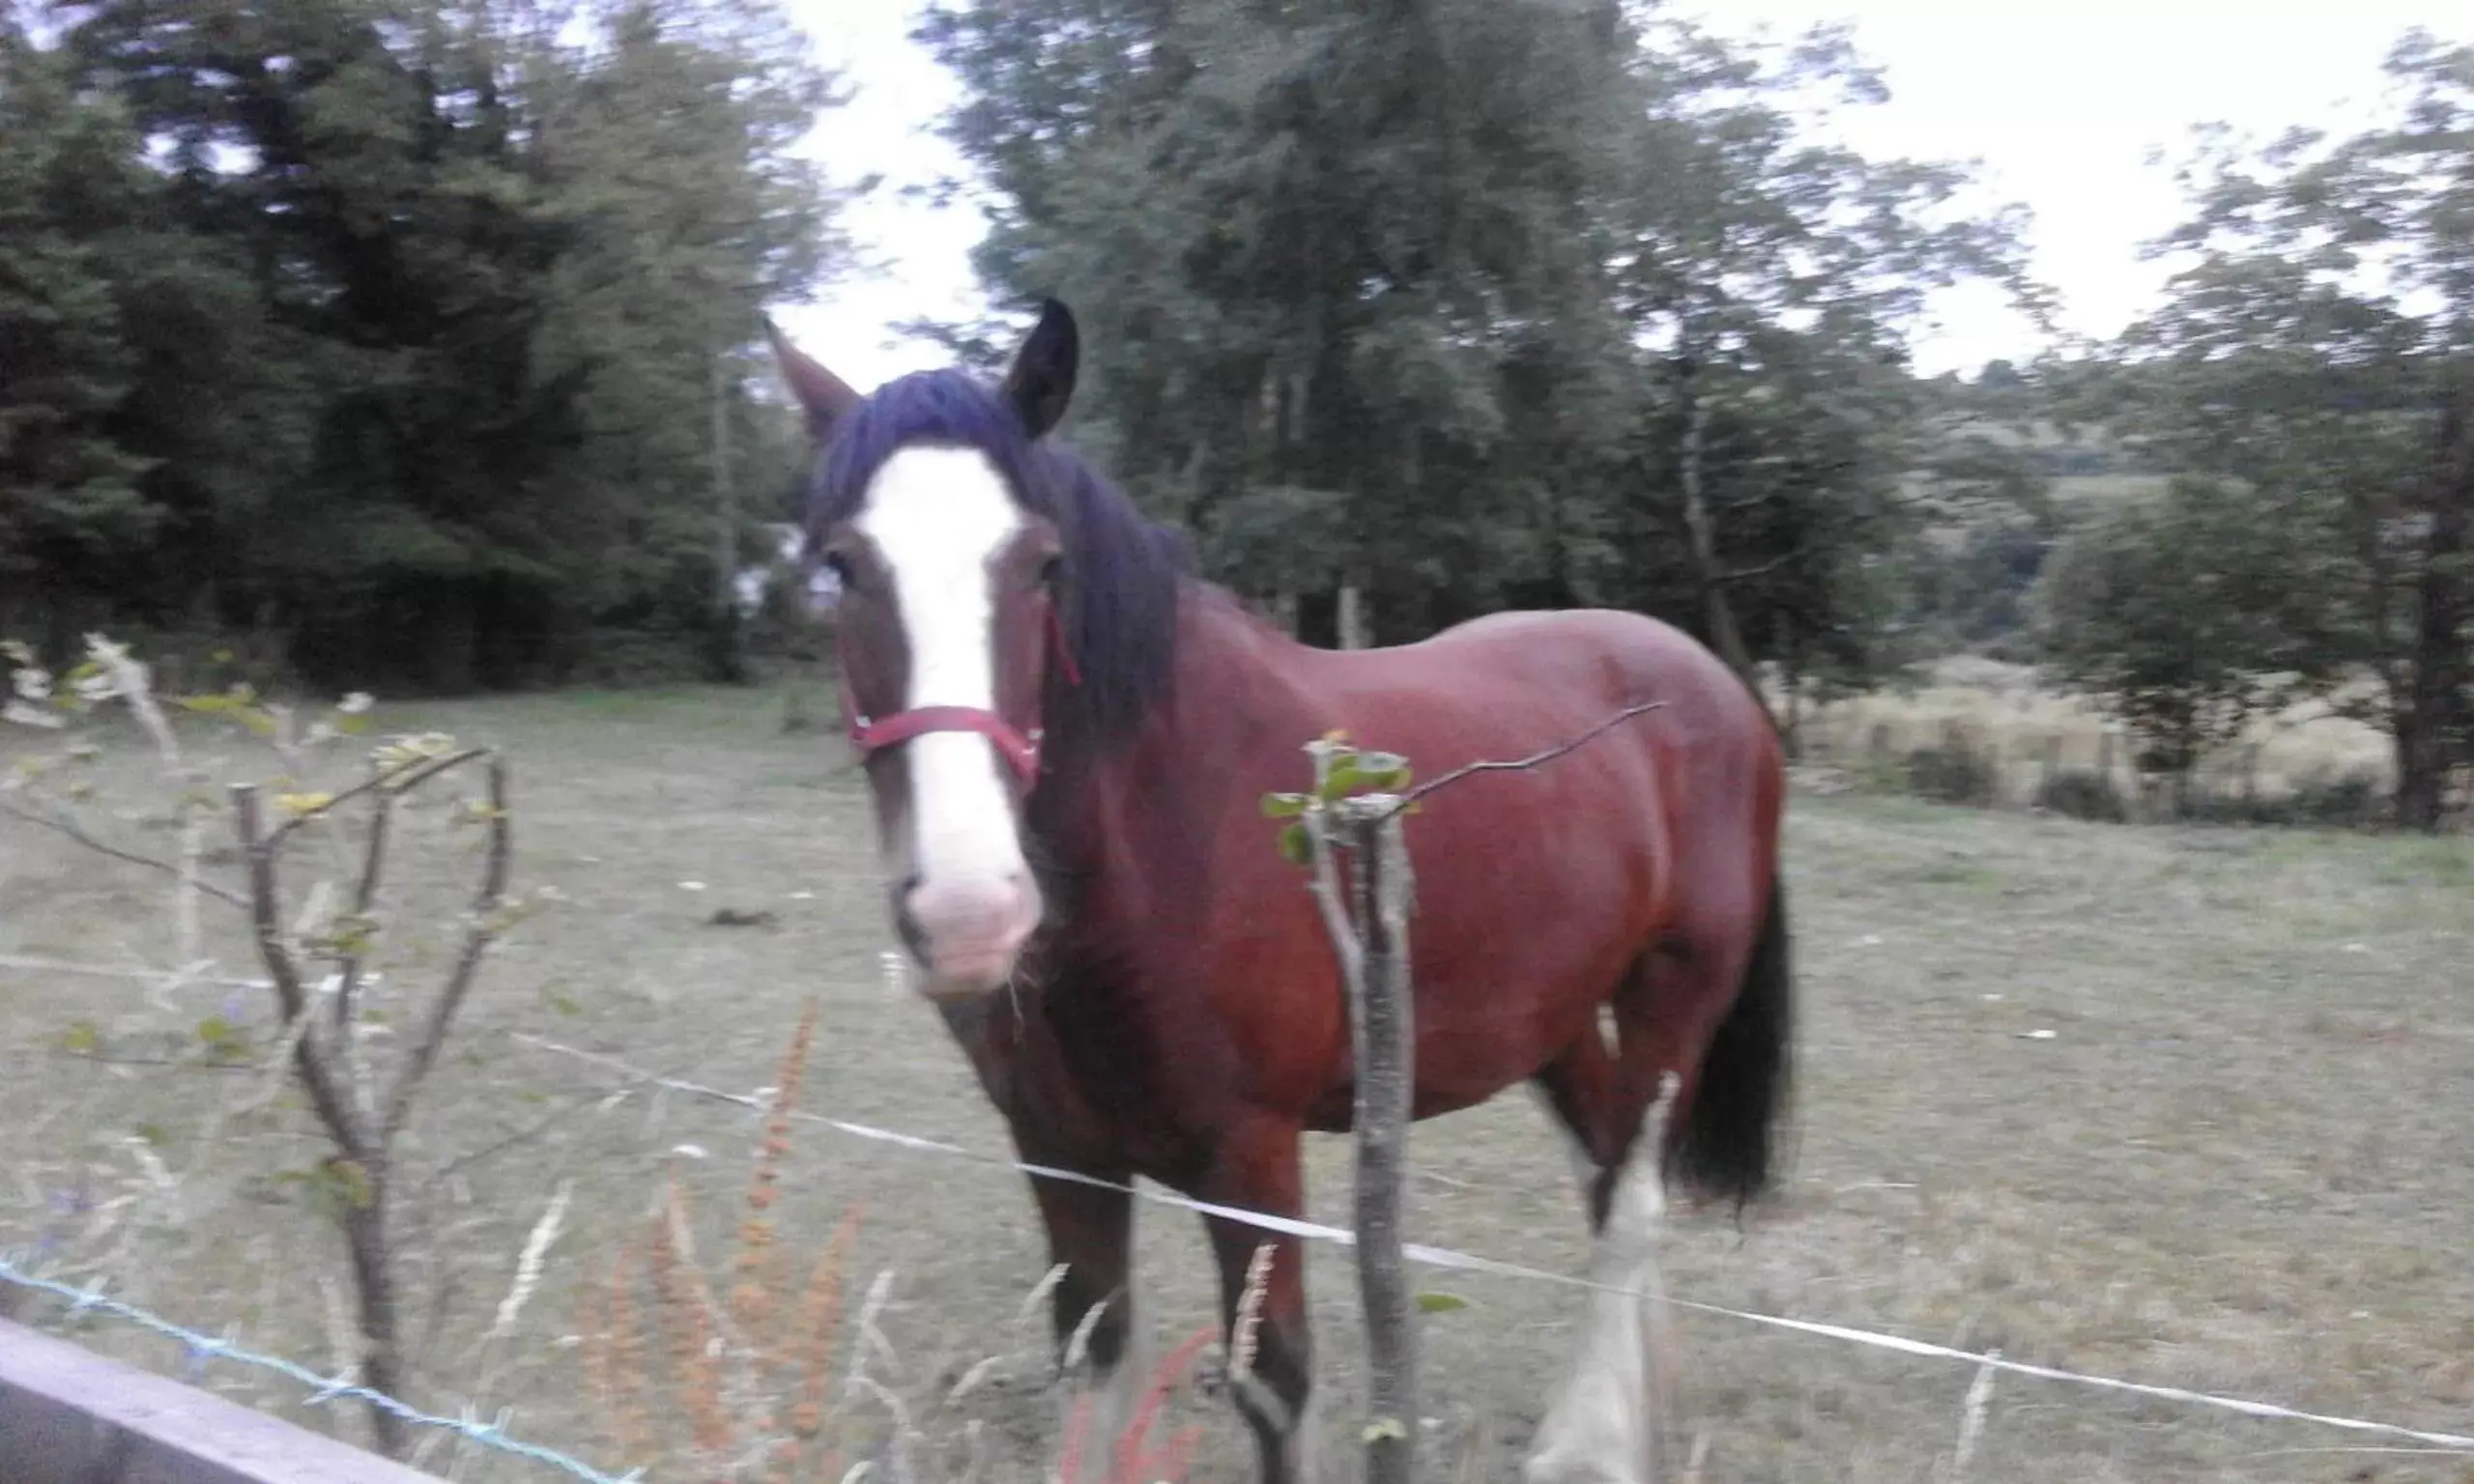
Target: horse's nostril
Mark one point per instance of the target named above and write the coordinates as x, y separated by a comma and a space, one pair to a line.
906, 924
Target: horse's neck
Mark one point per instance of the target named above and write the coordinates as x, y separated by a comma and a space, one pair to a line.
1143, 805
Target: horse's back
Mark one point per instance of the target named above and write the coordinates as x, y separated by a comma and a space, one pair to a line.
1536, 888
1551, 671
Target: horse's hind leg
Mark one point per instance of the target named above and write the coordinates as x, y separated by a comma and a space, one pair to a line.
1606, 1423
1600, 1088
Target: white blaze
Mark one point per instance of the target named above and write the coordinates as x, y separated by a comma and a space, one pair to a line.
937, 517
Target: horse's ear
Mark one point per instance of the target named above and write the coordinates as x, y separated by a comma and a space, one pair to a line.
1040, 380
823, 395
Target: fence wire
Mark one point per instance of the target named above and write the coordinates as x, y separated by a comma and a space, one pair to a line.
323, 1389
326, 1388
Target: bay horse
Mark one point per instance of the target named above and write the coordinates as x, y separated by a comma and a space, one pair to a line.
1067, 735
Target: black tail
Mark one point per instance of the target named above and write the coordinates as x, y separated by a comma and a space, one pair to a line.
1729, 1143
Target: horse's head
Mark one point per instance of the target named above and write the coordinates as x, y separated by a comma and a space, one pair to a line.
923, 506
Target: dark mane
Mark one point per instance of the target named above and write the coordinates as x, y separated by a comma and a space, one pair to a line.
1123, 571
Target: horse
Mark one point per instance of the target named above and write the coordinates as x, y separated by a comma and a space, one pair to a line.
1065, 734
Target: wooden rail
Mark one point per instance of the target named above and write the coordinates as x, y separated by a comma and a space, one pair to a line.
70, 1417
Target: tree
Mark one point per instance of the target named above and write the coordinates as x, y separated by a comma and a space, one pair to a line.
70, 198
2319, 351
2177, 615
1477, 304
434, 356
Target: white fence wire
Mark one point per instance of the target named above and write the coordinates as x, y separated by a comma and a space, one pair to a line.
324, 1388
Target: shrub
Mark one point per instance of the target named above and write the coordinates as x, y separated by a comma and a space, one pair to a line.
1953, 773
2083, 793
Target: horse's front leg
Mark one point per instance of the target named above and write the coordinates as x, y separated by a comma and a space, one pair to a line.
1271, 1350
1099, 1333
1090, 1234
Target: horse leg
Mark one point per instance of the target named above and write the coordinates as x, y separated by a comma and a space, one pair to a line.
1716, 1003
1606, 1423
1270, 1348
1090, 1233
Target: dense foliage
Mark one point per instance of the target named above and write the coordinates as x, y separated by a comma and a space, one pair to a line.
410, 339
1473, 304
392, 333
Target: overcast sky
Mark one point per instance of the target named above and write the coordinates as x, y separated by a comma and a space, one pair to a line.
2062, 102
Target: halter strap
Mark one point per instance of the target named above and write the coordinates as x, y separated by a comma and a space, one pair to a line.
1019, 749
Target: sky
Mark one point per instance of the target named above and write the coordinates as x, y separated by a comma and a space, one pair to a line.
2059, 102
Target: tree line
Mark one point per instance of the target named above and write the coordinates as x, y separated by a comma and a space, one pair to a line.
1459, 304
415, 336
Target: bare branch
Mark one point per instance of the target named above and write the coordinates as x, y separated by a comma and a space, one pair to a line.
79, 834
310, 1052
482, 930
1519, 764
1383, 1038
1328, 899
1759, 568
364, 896
398, 780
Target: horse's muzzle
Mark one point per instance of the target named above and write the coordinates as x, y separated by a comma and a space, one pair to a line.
965, 936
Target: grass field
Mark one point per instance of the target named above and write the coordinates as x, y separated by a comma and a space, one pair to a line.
2243, 1160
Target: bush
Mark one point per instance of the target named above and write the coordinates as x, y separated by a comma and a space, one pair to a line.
1953, 773
2348, 801
2083, 793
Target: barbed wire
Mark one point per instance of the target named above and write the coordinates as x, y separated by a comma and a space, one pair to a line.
1418, 1252
323, 1389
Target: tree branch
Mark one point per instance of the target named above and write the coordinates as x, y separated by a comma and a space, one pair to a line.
483, 931
1761, 568
400, 778
309, 1053
73, 832
1519, 764
1329, 901
364, 896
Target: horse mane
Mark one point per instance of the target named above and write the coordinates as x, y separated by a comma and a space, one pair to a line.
1123, 572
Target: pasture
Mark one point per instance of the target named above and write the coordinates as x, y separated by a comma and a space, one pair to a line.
2242, 1162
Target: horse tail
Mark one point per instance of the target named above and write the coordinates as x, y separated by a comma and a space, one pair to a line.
1728, 1143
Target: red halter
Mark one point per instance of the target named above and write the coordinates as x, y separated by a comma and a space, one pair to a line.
1019, 749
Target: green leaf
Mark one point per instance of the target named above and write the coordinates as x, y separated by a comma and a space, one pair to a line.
1283, 806
81, 1037
1339, 779
1382, 1429
1294, 847
1440, 1303
216, 1031
154, 1134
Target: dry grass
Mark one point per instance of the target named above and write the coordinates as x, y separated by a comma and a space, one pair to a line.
2239, 1163
744, 1394
2003, 706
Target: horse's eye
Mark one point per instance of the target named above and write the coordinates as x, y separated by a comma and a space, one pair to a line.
1051, 572
839, 565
